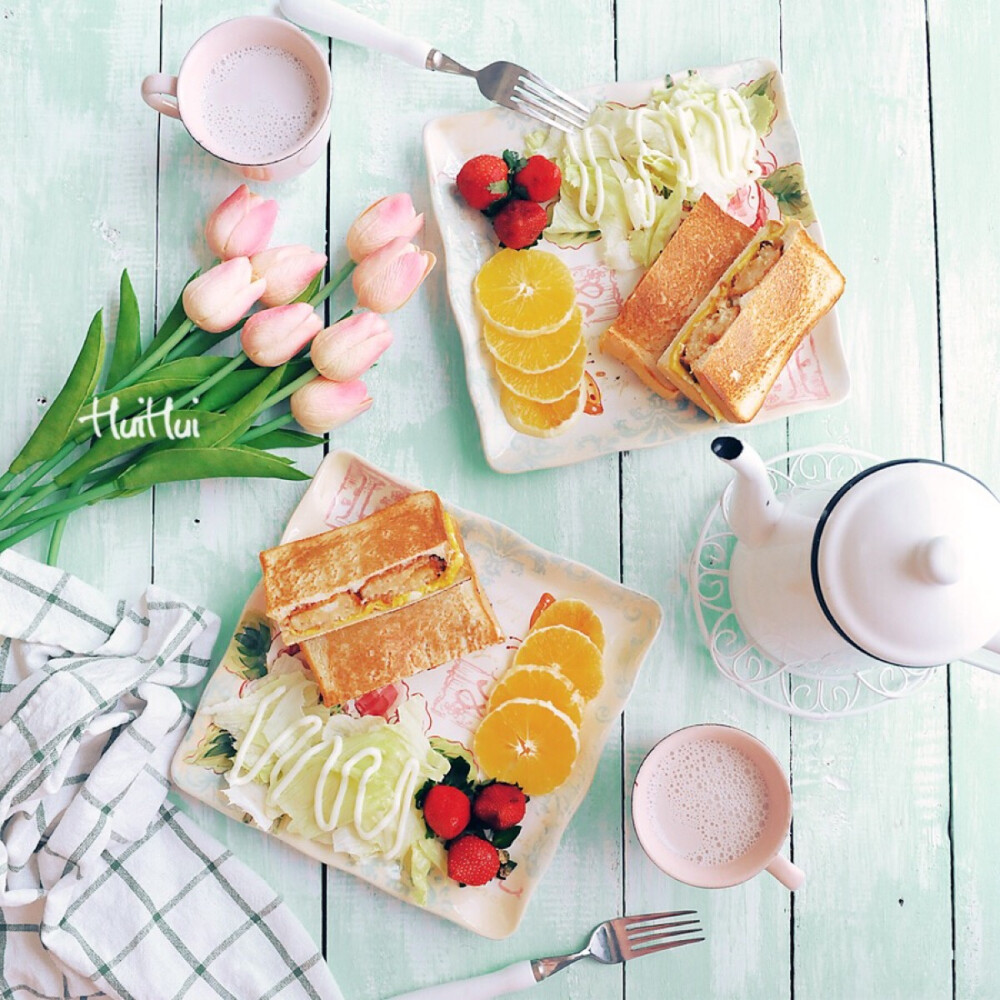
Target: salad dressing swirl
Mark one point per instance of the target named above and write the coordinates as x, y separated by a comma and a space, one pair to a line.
292, 744
731, 152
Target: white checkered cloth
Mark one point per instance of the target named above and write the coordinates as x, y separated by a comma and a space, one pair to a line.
105, 889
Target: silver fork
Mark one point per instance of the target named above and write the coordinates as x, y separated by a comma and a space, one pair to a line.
612, 942
504, 83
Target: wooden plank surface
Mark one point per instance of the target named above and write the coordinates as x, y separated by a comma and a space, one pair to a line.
422, 426
206, 535
866, 786
966, 152
895, 815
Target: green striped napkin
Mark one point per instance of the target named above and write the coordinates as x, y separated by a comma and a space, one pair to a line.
106, 889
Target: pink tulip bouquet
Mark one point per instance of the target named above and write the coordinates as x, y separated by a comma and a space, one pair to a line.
167, 411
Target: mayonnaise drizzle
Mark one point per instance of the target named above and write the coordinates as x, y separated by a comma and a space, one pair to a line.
295, 737
734, 150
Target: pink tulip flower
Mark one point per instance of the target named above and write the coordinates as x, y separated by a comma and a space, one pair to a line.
273, 336
242, 225
321, 405
218, 299
347, 349
380, 223
287, 270
385, 280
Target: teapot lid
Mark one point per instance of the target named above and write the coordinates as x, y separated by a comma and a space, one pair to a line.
906, 562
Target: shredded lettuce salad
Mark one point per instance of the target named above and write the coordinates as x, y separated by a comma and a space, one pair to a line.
649, 162
285, 797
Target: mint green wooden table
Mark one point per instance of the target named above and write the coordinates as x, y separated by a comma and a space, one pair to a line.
896, 813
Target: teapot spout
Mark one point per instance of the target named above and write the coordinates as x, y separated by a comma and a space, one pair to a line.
754, 510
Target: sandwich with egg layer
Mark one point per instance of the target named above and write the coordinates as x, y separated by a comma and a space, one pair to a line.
729, 354
400, 554
381, 599
694, 259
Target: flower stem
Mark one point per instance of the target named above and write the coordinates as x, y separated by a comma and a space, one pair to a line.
266, 428
23, 511
285, 392
333, 284
60, 527
199, 390
18, 491
97, 493
156, 356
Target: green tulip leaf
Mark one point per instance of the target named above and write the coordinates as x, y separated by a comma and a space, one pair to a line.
128, 345
164, 380
284, 437
179, 465
59, 420
154, 434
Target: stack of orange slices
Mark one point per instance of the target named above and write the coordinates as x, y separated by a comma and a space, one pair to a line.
530, 735
533, 330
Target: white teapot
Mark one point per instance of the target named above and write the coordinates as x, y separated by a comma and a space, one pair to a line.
901, 563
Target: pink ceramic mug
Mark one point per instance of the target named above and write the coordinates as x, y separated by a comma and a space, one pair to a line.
255, 93
712, 807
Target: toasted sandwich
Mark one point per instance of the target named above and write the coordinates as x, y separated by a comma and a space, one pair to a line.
693, 260
730, 352
399, 555
374, 652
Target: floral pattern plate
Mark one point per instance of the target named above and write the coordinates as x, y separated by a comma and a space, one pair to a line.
515, 575
621, 413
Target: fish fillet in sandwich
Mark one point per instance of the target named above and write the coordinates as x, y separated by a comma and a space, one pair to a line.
729, 354
399, 555
693, 260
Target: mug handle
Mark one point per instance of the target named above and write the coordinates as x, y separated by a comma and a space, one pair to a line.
789, 875
159, 91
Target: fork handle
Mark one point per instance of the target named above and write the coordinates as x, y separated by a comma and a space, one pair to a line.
518, 976
337, 21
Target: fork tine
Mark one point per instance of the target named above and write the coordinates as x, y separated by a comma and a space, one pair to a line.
561, 94
632, 923
664, 946
532, 111
523, 96
541, 90
635, 933
641, 940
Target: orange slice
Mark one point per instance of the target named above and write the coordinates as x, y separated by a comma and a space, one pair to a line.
529, 743
542, 419
576, 615
545, 387
537, 353
525, 291
570, 651
541, 684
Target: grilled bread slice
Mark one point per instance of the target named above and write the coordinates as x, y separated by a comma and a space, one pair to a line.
398, 555
730, 352
373, 652
694, 259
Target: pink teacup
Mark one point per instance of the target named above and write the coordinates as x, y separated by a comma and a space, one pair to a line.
255, 93
712, 807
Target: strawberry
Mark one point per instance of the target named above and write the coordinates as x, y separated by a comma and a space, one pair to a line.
472, 860
483, 180
519, 224
538, 180
446, 811
500, 806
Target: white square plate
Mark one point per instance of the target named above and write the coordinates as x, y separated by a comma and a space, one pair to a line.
621, 413
515, 575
